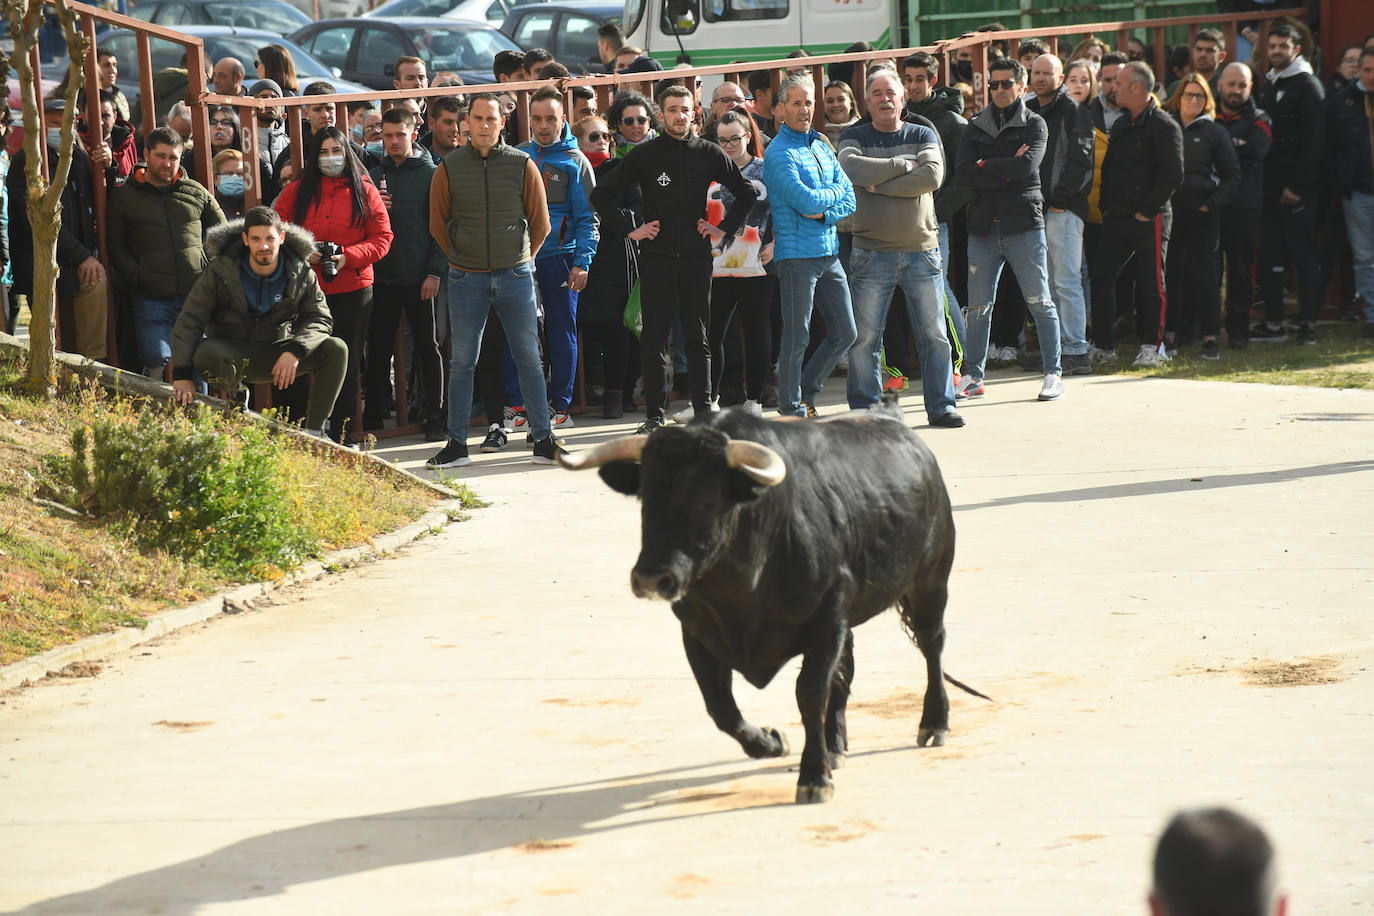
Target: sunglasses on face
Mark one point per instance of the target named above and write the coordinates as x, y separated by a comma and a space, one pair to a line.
1001, 84
597, 136
634, 120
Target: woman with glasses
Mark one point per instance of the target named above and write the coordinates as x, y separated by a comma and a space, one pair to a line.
1211, 177
226, 134
593, 139
841, 111
337, 203
740, 284
631, 116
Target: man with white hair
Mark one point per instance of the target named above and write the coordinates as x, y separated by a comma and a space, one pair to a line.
810, 193
896, 167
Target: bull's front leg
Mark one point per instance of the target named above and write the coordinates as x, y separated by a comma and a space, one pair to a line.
713, 678
824, 639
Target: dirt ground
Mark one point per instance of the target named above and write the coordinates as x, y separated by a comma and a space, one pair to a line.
1164, 586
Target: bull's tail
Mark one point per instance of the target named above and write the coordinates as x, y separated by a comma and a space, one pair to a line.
967, 689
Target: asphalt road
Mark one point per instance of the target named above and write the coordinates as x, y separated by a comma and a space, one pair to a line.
1165, 586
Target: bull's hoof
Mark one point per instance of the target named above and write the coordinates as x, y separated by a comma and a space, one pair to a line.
763, 742
814, 795
781, 739
835, 759
935, 737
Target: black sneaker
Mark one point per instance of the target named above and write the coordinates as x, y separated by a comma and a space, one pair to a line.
547, 450
650, 425
495, 440
1209, 350
949, 420
1267, 333
453, 455
529, 440
1307, 334
770, 397
1238, 340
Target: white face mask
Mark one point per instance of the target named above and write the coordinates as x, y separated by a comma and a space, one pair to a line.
332, 166
54, 137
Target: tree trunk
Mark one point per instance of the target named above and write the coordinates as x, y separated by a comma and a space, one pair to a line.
44, 197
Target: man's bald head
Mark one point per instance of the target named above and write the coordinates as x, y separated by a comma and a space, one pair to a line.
1046, 76
1234, 86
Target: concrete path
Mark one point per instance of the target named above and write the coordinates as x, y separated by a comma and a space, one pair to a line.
1166, 586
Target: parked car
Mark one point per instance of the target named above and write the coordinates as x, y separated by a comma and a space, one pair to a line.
329, 9
220, 42
365, 49
493, 12
567, 29
270, 15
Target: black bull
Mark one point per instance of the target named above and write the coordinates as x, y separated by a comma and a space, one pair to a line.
773, 539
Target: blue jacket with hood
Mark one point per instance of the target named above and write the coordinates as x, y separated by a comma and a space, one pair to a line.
568, 183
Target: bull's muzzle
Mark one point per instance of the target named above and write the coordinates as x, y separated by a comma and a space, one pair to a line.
663, 585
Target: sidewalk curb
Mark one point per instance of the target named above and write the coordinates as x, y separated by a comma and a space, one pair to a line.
31, 670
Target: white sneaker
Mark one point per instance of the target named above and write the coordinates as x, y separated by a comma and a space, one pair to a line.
1101, 356
1006, 355
753, 408
687, 414
1148, 357
561, 419
1052, 389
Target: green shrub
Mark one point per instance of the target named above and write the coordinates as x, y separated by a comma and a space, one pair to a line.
186, 484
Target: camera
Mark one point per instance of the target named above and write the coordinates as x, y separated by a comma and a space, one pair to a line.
329, 268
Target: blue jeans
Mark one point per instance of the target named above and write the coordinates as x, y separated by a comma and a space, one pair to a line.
471, 296
1359, 228
1024, 252
954, 313
872, 277
804, 281
1064, 247
154, 319
560, 329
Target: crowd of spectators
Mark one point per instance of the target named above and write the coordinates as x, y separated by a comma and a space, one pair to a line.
714, 230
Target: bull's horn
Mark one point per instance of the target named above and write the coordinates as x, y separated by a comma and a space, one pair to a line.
626, 448
761, 463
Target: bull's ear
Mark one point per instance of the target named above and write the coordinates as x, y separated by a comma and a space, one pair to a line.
743, 488
621, 476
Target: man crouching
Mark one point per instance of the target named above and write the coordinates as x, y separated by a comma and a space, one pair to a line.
261, 314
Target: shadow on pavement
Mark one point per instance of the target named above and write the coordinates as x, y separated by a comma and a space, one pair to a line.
1175, 485
267, 865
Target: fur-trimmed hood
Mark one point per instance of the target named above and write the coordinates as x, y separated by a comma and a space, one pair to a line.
223, 238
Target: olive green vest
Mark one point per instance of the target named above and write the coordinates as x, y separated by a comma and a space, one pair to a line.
487, 228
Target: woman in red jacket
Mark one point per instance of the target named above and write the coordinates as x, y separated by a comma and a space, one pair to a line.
336, 202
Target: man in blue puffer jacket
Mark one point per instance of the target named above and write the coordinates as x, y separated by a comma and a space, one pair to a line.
810, 194
560, 267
